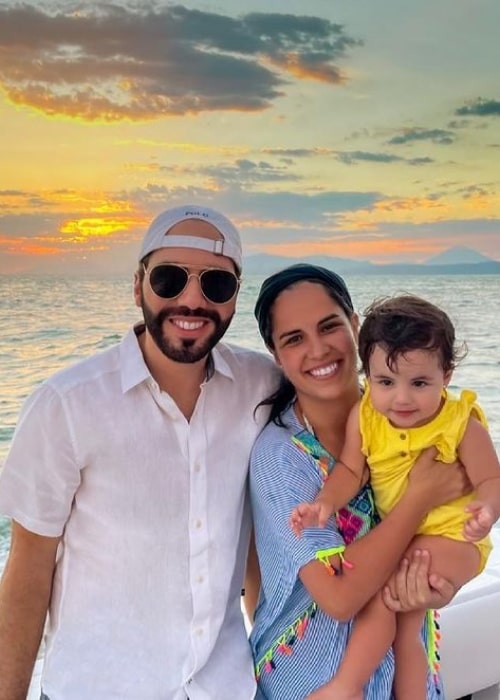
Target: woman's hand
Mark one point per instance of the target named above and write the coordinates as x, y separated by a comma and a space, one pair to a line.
413, 587
437, 482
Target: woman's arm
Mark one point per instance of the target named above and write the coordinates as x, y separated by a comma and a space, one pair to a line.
374, 557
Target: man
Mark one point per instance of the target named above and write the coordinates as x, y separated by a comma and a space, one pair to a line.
126, 485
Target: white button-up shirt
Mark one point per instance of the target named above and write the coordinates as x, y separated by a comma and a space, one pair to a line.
154, 520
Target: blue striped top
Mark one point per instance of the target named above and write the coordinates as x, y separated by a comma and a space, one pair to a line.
296, 647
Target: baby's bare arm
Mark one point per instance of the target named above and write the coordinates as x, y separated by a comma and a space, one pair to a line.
477, 453
349, 472
347, 476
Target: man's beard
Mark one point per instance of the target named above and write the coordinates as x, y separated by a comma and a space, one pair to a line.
190, 349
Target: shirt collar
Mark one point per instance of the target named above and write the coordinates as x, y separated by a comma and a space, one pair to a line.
219, 362
134, 370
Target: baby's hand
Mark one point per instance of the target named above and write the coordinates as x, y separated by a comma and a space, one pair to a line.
481, 521
305, 515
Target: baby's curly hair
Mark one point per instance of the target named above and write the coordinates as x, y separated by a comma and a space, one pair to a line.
406, 322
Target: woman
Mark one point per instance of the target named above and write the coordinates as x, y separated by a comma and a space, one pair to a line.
314, 585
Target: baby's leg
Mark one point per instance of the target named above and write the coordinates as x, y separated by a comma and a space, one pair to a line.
410, 678
372, 636
456, 561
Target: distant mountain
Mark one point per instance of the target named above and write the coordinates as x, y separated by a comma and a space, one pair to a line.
455, 261
458, 256
262, 264
485, 268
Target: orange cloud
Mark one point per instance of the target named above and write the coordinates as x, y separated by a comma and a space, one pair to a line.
55, 201
382, 249
78, 230
420, 210
294, 64
83, 105
58, 227
30, 246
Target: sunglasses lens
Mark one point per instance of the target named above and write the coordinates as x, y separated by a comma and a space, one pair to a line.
218, 286
168, 281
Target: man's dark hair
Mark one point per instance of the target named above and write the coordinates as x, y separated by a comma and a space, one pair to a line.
404, 323
143, 265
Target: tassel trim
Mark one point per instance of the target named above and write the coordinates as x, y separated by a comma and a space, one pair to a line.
323, 555
433, 641
284, 645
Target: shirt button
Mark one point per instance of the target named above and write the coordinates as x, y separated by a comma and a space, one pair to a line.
201, 579
199, 632
197, 524
402, 436
197, 467
403, 454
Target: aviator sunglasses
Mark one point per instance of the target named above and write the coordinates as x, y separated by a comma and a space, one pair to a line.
169, 280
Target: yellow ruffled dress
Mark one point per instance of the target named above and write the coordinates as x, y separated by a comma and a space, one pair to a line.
391, 452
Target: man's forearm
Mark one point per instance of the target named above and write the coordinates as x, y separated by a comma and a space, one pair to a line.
25, 591
23, 608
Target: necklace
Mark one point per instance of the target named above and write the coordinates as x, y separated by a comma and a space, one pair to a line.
308, 425
305, 420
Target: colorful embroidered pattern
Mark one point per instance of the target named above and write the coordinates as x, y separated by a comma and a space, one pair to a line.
357, 518
285, 643
306, 442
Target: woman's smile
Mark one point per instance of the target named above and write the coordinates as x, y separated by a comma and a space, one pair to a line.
325, 371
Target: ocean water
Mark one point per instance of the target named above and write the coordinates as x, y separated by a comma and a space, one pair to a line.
47, 323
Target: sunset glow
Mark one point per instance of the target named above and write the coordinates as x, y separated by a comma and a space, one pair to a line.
331, 130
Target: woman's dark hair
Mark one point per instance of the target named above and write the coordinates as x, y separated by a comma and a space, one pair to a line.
270, 290
403, 323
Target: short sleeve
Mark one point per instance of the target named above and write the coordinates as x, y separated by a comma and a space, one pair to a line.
457, 413
40, 476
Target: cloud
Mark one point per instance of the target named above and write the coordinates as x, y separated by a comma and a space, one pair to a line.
385, 241
242, 173
424, 160
440, 136
246, 173
344, 224
353, 157
474, 191
66, 224
480, 107
458, 124
297, 152
112, 62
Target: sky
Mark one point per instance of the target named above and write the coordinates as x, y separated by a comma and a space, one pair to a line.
357, 129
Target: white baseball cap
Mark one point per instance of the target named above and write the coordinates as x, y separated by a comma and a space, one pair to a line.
157, 235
